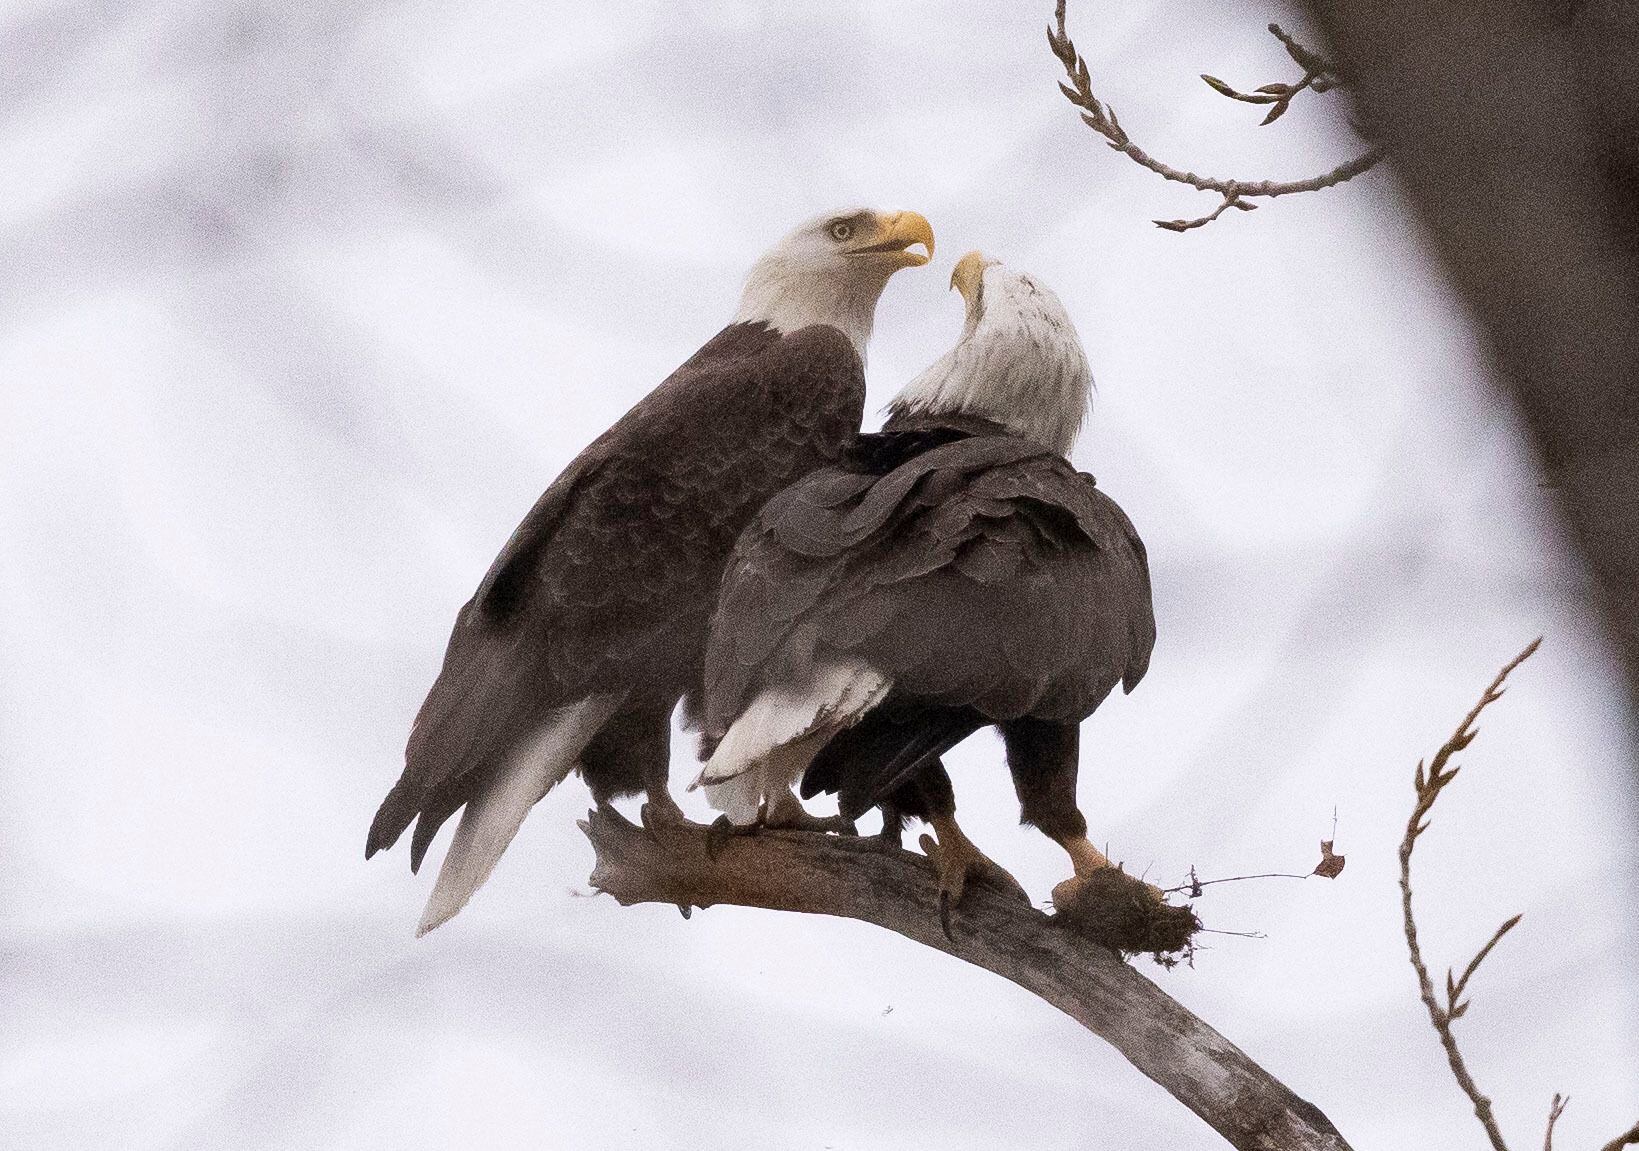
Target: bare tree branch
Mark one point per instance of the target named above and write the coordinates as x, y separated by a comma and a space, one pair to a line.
1628, 1138
1555, 1110
1101, 118
1429, 785
1454, 990
865, 879
1318, 75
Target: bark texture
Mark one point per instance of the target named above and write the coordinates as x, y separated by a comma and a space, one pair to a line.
865, 879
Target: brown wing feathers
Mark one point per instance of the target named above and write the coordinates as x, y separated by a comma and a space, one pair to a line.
985, 576
986, 572
608, 583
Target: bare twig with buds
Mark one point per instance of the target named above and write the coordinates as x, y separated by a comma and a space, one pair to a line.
1429, 784
1318, 75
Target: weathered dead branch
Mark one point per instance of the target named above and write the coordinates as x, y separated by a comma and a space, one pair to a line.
865, 879
1318, 75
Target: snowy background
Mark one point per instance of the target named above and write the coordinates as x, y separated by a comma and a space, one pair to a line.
302, 305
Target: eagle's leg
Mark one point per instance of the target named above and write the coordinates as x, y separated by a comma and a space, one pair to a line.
959, 861
1084, 857
631, 753
784, 810
659, 807
1043, 758
893, 824
918, 797
929, 796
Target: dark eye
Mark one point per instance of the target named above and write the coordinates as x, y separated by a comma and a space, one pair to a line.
841, 230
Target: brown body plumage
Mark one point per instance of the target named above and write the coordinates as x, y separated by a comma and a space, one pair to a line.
591, 623
607, 584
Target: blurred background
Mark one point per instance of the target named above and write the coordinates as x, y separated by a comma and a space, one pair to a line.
302, 305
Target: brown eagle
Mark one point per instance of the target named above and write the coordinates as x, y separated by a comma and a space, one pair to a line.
591, 623
949, 573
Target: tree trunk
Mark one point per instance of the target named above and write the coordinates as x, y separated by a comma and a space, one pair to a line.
1514, 128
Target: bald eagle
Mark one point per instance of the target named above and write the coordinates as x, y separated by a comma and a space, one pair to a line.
949, 573
591, 622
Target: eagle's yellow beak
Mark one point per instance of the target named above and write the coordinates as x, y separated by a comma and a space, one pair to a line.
895, 234
965, 277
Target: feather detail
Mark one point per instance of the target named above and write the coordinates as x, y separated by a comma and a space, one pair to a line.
740, 798
785, 726
493, 816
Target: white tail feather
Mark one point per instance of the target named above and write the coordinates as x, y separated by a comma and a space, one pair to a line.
492, 817
782, 731
739, 798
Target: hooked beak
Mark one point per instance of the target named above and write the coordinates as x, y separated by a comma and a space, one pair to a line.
968, 275
894, 239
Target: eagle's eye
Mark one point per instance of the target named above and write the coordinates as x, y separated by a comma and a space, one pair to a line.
842, 230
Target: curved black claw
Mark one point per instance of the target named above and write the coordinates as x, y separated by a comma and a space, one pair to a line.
654, 816
722, 830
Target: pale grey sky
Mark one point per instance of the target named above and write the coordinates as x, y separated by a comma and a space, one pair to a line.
300, 307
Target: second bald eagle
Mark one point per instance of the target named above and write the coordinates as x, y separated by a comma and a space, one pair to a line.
952, 572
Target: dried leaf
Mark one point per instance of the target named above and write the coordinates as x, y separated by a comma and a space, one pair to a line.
1220, 87
1276, 113
1245, 205
1172, 225
1331, 863
1276, 89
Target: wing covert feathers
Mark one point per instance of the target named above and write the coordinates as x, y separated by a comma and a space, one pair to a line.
982, 573
607, 584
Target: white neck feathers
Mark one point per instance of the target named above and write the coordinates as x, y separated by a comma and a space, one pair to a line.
1018, 362
787, 297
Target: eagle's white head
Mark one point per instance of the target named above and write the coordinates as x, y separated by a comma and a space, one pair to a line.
1018, 361
832, 269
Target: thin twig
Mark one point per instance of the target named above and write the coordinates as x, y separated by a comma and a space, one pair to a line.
1454, 990
1101, 118
1555, 1110
1428, 786
1194, 885
1307, 58
1318, 76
